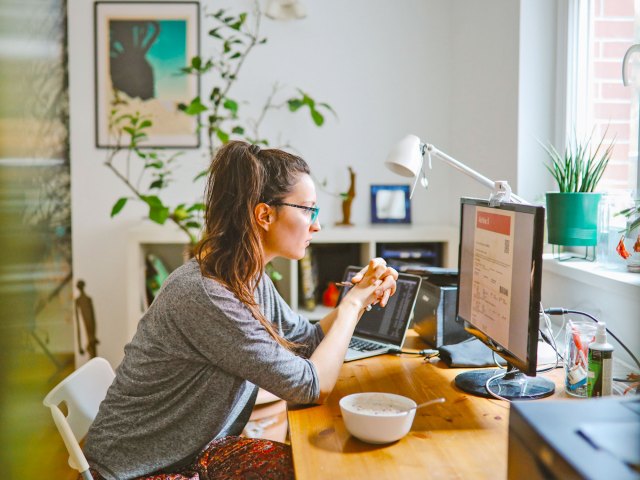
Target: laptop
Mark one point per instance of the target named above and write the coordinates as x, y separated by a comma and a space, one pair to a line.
382, 329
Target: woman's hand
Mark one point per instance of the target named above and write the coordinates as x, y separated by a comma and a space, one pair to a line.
377, 274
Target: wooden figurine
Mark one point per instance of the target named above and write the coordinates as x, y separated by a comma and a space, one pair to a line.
347, 199
84, 310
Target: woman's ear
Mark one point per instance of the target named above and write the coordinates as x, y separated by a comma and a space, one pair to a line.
263, 215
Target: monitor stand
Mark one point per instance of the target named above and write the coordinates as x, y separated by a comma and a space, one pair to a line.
514, 385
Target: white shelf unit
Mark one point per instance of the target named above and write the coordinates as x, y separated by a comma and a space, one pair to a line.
169, 244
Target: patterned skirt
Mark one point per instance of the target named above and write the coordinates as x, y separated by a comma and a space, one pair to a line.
234, 458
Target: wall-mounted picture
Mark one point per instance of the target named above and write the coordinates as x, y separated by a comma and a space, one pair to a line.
390, 204
140, 48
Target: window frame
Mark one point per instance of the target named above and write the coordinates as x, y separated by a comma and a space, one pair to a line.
574, 111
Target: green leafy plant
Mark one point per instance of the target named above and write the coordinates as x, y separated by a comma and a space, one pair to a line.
581, 167
628, 213
147, 173
154, 173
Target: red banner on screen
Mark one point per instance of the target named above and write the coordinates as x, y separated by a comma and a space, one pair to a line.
494, 222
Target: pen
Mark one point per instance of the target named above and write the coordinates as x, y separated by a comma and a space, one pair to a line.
350, 284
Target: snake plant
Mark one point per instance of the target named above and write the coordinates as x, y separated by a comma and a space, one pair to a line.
581, 167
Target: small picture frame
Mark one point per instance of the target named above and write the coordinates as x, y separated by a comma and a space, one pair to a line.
390, 204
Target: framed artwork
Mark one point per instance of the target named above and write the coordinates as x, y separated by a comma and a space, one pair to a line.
140, 48
390, 204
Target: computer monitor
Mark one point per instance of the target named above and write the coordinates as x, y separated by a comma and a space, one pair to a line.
500, 268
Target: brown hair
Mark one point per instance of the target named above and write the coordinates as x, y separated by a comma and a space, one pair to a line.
240, 177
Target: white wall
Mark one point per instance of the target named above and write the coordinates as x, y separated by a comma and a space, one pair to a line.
484, 103
383, 66
536, 95
447, 71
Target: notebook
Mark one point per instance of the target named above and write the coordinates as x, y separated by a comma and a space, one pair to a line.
382, 329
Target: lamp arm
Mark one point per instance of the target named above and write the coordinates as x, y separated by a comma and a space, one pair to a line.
495, 186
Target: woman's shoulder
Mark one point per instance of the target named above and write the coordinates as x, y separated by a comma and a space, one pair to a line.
185, 273
187, 288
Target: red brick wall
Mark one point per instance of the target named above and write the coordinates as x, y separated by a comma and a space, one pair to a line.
611, 103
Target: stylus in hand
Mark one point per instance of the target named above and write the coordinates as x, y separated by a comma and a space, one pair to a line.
350, 284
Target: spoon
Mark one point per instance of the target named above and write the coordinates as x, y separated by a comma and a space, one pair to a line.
435, 400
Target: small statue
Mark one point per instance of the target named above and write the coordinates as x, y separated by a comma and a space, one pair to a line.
84, 309
347, 198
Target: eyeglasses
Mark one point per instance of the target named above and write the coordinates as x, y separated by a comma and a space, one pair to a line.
313, 211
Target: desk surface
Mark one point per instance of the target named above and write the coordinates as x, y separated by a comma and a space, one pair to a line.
466, 437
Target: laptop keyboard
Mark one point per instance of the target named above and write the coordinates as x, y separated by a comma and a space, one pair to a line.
363, 345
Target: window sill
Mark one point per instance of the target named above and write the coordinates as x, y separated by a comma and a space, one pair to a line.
614, 279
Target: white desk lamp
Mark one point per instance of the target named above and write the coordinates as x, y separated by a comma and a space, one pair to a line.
407, 159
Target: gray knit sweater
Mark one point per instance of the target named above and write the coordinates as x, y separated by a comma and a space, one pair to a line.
191, 372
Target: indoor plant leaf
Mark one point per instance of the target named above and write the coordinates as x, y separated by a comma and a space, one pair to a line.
317, 117
158, 214
580, 168
195, 107
119, 205
294, 104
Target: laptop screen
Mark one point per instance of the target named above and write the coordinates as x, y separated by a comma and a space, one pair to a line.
390, 323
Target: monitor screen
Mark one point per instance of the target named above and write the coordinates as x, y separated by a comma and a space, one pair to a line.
500, 267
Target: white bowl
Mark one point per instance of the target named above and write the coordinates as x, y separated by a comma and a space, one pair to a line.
376, 417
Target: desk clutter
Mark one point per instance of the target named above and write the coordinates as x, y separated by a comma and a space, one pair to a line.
591, 370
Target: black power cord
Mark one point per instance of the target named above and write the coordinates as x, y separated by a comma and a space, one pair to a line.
428, 352
564, 311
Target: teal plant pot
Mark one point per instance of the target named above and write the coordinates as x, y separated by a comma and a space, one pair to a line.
572, 218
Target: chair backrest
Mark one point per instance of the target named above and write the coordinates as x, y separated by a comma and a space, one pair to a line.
82, 392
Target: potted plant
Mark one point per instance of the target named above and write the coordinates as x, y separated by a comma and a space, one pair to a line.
572, 212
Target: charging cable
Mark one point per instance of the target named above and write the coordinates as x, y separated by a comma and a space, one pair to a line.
427, 352
549, 337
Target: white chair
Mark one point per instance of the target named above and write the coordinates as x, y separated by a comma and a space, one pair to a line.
82, 391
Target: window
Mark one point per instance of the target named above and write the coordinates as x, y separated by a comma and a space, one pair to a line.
600, 32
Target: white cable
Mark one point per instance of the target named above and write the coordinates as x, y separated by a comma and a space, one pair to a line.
491, 392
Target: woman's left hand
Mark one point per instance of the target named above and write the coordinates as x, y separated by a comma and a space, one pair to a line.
380, 271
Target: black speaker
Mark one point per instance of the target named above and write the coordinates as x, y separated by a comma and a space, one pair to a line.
434, 317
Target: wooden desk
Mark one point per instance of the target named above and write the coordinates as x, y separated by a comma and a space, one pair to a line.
466, 437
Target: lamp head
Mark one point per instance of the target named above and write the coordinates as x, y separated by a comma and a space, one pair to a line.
285, 9
405, 157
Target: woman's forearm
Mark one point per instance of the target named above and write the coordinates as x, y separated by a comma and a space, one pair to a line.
374, 283
328, 357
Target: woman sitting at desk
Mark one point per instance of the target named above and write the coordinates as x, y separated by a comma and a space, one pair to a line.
218, 330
